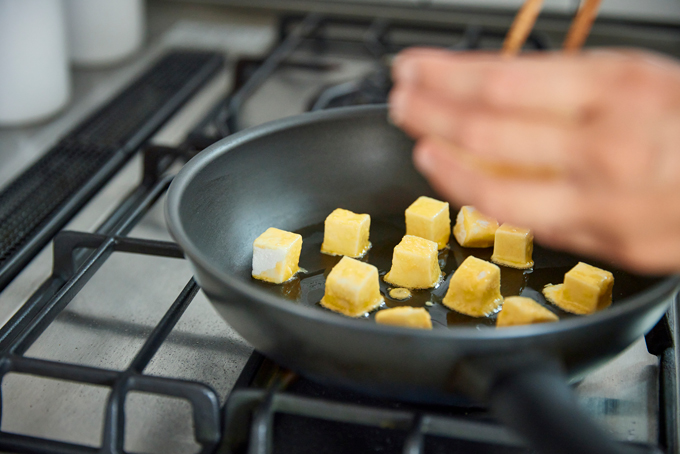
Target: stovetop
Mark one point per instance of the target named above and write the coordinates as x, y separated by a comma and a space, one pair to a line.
108, 344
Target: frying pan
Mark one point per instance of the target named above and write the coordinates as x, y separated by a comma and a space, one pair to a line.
291, 174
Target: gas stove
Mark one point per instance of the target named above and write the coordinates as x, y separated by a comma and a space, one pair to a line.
107, 343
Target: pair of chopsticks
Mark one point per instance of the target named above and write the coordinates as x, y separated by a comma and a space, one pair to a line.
526, 17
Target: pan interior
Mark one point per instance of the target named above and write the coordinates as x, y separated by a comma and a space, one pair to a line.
292, 178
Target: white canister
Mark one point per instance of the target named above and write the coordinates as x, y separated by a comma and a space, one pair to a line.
104, 31
34, 76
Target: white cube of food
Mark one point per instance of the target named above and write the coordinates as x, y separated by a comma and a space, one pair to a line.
276, 254
513, 247
429, 218
518, 310
473, 229
414, 264
474, 288
409, 317
346, 233
586, 289
352, 288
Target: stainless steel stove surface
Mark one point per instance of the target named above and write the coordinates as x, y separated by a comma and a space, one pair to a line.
119, 349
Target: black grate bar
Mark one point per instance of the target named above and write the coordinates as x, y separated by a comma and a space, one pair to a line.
119, 222
65, 244
261, 432
349, 413
148, 247
57, 370
305, 28
164, 327
203, 399
60, 300
42, 200
113, 436
669, 409
415, 441
135, 204
130, 220
265, 403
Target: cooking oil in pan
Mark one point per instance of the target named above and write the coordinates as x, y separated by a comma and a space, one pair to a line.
386, 232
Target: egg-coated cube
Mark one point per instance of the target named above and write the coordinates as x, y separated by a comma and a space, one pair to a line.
513, 247
276, 254
352, 288
518, 310
407, 316
346, 233
414, 263
586, 289
429, 218
473, 229
475, 288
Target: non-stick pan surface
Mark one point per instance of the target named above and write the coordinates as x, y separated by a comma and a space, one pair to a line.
291, 174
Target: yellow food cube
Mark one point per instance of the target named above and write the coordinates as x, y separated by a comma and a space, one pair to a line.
513, 247
475, 288
410, 317
586, 289
429, 218
414, 263
518, 310
473, 229
346, 233
352, 288
276, 254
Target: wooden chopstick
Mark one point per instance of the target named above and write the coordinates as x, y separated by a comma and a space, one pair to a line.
581, 25
521, 27
526, 18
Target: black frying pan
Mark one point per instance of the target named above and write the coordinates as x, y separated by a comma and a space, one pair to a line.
291, 174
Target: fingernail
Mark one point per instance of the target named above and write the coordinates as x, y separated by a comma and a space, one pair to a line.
397, 105
404, 70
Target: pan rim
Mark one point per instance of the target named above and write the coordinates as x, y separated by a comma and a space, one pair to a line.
667, 288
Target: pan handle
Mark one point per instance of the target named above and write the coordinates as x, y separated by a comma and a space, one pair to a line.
533, 398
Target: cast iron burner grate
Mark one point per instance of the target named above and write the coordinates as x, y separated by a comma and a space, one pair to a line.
268, 407
279, 412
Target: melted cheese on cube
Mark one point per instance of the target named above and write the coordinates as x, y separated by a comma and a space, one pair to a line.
473, 229
586, 289
414, 263
352, 288
475, 288
276, 254
513, 247
346, 233
429, 218
518, 310
409, 317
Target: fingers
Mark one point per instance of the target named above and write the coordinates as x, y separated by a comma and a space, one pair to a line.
552, 83
513, 139
552, 209
641, 229
622, 227
542, 205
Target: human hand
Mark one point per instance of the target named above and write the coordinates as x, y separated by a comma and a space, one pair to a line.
582, 149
